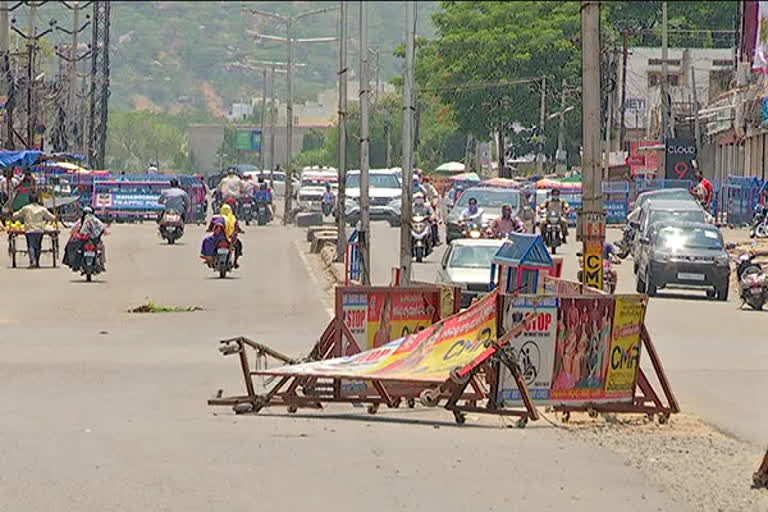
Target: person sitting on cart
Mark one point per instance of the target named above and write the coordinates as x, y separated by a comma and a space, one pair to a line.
88, 227
34, 216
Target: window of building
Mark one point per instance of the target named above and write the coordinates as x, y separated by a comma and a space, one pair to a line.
654, 79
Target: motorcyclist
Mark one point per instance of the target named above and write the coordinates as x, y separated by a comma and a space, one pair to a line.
264, 194
560, 206
231, 187
328, 194
506, 223
417, 187
152, 168
88, 227
249, 185
424, 209
472, 212
174, 199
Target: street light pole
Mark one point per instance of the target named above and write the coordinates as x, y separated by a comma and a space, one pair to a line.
341, 247
407, 164
365, 220
542, 112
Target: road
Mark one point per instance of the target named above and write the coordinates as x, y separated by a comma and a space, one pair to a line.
105, 410
715, 354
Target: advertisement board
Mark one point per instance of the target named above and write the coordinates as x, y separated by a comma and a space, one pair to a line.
248, 139
593, 263
428, 356
680, 154
127, 201
534, 348
615, 211
595, 354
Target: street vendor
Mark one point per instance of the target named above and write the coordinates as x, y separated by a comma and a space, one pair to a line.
8, 183
34, 215
24, 190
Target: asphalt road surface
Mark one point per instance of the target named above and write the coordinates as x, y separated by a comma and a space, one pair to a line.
105, 410
715, 354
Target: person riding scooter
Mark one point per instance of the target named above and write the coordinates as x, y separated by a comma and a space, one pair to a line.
174, 199
506, 223
327, 200
264, 194
559, 206
422, 208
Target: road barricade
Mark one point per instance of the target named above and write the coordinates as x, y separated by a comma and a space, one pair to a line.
581, 351
760, 478
387, 345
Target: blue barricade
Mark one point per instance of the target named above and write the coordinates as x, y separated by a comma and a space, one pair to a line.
742, 195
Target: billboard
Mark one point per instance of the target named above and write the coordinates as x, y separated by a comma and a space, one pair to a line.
680, 154
248, 139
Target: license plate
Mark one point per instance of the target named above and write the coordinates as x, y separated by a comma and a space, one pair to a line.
756, 291
89, 254
690, 277
170, 228
223, 251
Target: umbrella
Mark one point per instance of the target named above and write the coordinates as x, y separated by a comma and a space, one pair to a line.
451, 167
547, 183
466, 176
501, 182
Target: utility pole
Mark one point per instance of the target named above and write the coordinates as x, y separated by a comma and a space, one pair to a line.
696, 129
272, 126
624, 55
540, 144
592, 219
6, 72
407, 164
263, 120
290, 40
560, 153
341, 220
365, 220
664, 75
608, 124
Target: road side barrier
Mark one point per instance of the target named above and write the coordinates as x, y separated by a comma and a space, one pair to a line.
742, 195
353, 269
449, 361
760, 478
581, 352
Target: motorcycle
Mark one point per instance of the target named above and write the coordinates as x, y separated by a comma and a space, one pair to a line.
246, 211
421, 238
759, 222
327, 205
627, 239
472, 229
753, 284
262, 213
90, 258
553, 235
224, 259
171, 226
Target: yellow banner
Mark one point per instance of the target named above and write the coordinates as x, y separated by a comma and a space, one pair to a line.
624, 356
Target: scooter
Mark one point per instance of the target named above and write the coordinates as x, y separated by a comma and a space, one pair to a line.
753, 284
171, 226
262, 213
421, 238
246, 211
759, 222
90, 259
472, 229
224, 260
627, 239
553, 235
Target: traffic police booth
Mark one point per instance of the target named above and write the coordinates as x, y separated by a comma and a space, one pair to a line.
520, 262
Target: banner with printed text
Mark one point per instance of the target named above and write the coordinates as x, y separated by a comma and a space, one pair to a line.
427, 356
594, 358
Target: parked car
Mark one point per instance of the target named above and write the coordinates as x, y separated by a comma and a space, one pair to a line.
685, 255
467, 264
490, 200
385, 195
667, 211
670, 194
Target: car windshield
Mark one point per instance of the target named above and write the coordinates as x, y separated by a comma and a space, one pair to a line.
374, 180
673, 238
665, 195
473, 257
490, 198
311, 182
677, 216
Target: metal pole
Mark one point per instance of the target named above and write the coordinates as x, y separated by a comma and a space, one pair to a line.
73, 69
696, 129
559, 156
289, 130
624, 54
341, 247
664, 75
365, 221
608, 123
540, 148
272, 125
388, 132
592, 213
407, 164
5, 63
32, 41
263, 119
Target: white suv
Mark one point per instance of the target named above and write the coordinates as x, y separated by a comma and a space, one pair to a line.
384, 191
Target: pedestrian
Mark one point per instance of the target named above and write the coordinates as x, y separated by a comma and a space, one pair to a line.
34, 215
24, 190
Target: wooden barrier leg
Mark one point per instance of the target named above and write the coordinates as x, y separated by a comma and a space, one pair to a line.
646, 340
246, 370
521, 385
648, 392
760, 479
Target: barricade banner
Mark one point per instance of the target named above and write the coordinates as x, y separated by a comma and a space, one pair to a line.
594, 358
427, 356
127, 201
376, 316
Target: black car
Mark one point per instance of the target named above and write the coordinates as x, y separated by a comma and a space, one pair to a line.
683, 255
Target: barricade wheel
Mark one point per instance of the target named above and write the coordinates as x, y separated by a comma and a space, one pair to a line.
650, 417
411, 403
663, 418
373, 408
522, 422
760, 479
396, 403
566, 417
592, 413
429, 398
243, 408
460, 417
292, 409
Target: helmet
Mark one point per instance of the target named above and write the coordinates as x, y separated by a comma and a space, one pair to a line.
418, 195
87, 210
174, 182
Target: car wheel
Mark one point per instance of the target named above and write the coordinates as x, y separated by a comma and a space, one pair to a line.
711, 294
650, 286
722, 292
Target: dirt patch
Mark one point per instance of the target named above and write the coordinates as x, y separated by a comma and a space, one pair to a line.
213, 101
697, 464
151, 307
141, 102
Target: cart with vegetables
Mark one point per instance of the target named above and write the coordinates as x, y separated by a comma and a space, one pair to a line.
50, 231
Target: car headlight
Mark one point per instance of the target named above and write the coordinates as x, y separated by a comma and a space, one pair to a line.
722, 260
395, 204
660, 257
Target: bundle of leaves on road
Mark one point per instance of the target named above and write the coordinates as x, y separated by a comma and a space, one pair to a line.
151, 307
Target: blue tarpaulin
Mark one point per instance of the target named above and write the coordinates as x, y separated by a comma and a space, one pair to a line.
21, 159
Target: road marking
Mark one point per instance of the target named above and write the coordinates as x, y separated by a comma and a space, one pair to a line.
321, 286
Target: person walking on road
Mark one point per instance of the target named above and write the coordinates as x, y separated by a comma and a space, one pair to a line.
34, 216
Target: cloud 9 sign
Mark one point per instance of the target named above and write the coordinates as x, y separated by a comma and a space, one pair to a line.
680, 154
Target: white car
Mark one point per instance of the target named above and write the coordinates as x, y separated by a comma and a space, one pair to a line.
312, 188
467, 264
384, 191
